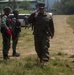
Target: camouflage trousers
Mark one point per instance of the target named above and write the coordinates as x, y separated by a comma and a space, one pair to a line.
14, 42
6, 43
41, 46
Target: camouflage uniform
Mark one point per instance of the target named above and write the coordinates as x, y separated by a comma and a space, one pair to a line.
43, 29
16, 29
6, 32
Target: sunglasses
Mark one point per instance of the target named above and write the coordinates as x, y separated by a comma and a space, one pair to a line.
41, 8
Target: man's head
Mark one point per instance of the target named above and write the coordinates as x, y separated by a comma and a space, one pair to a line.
15, 12
41, 7
7, 10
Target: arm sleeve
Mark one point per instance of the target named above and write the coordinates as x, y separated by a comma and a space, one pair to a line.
51, 26
4, 23
19, 25
31, 18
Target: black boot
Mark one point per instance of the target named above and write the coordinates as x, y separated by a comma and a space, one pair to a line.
15, 54
45, 59
6, 57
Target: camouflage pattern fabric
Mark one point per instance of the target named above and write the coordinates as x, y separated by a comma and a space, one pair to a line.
5, 24
43, 29
16, 26
41, 46
16, 29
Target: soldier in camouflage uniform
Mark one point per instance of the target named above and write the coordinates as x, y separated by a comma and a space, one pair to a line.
16, 29
43, 30
6, 31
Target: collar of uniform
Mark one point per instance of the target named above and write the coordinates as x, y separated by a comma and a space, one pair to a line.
44, 13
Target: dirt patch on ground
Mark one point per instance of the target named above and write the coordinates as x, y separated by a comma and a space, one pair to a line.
63, 39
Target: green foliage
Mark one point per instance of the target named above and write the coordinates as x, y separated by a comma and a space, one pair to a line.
26, 5
57, 6
21, 11
65, 6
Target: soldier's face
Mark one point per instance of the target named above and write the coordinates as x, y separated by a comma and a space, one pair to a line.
41, 10
6, 13
16, 15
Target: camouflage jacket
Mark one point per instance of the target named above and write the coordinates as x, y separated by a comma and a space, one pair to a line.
16, 25
5, 23
43, 24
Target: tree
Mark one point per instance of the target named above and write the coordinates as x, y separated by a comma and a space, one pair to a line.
57, 7
12, 4
25, 5
65, 6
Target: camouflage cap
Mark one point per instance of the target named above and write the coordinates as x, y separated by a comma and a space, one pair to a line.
41, 5
7, 9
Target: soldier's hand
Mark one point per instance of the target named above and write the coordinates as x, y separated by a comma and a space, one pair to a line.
8, 32
36, 10
51, 37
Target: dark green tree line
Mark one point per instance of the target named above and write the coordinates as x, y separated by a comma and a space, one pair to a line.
65, 6
25, 5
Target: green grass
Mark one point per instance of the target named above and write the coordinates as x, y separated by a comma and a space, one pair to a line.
61, 53
70, 20
29, 65
25, 11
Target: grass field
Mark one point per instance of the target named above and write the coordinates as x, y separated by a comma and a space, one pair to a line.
27, 63
21, 11
70, 21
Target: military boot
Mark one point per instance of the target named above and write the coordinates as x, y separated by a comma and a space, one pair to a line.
6, 57
16, 54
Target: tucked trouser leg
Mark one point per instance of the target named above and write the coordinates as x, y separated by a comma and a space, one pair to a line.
14, 44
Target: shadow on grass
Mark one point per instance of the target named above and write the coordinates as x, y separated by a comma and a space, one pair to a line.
72, 56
